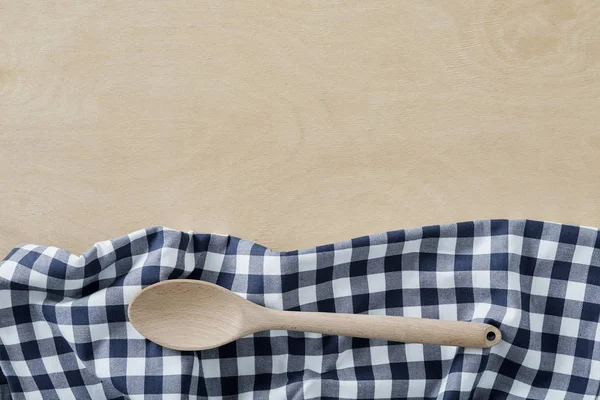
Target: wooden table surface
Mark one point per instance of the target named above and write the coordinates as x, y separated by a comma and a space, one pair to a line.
294, 123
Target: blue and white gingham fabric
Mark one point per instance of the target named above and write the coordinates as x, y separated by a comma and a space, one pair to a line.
64, 332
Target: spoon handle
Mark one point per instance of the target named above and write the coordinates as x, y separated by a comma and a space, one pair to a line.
398, 329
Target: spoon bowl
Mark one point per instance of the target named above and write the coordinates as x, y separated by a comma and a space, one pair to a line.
185, 314
190, 315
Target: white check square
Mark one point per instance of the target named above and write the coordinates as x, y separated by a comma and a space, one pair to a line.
583, 255
136, 366
168, 257
540, 286
377, 251
172, 365
410, 279
342, 256
569, 327
213, 261
416, 388
242, 264
532, 359
307, 262
482, 245
379, 355
575, 291
348, 389
376, 282
52, 364
547, 249
246, 365
412, 246
313, 363
272, 265
447, 245
564, 364
211, 368
342, 287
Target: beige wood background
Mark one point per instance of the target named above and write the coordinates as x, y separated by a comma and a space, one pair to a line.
294, 122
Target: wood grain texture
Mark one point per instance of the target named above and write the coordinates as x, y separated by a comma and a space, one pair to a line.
294, 123
184, 314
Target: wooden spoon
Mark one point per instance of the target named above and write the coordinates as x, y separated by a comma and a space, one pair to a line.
184, 314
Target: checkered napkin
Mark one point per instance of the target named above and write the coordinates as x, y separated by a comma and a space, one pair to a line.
64, 332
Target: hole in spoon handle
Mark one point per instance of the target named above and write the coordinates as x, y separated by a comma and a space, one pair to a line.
492, 336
